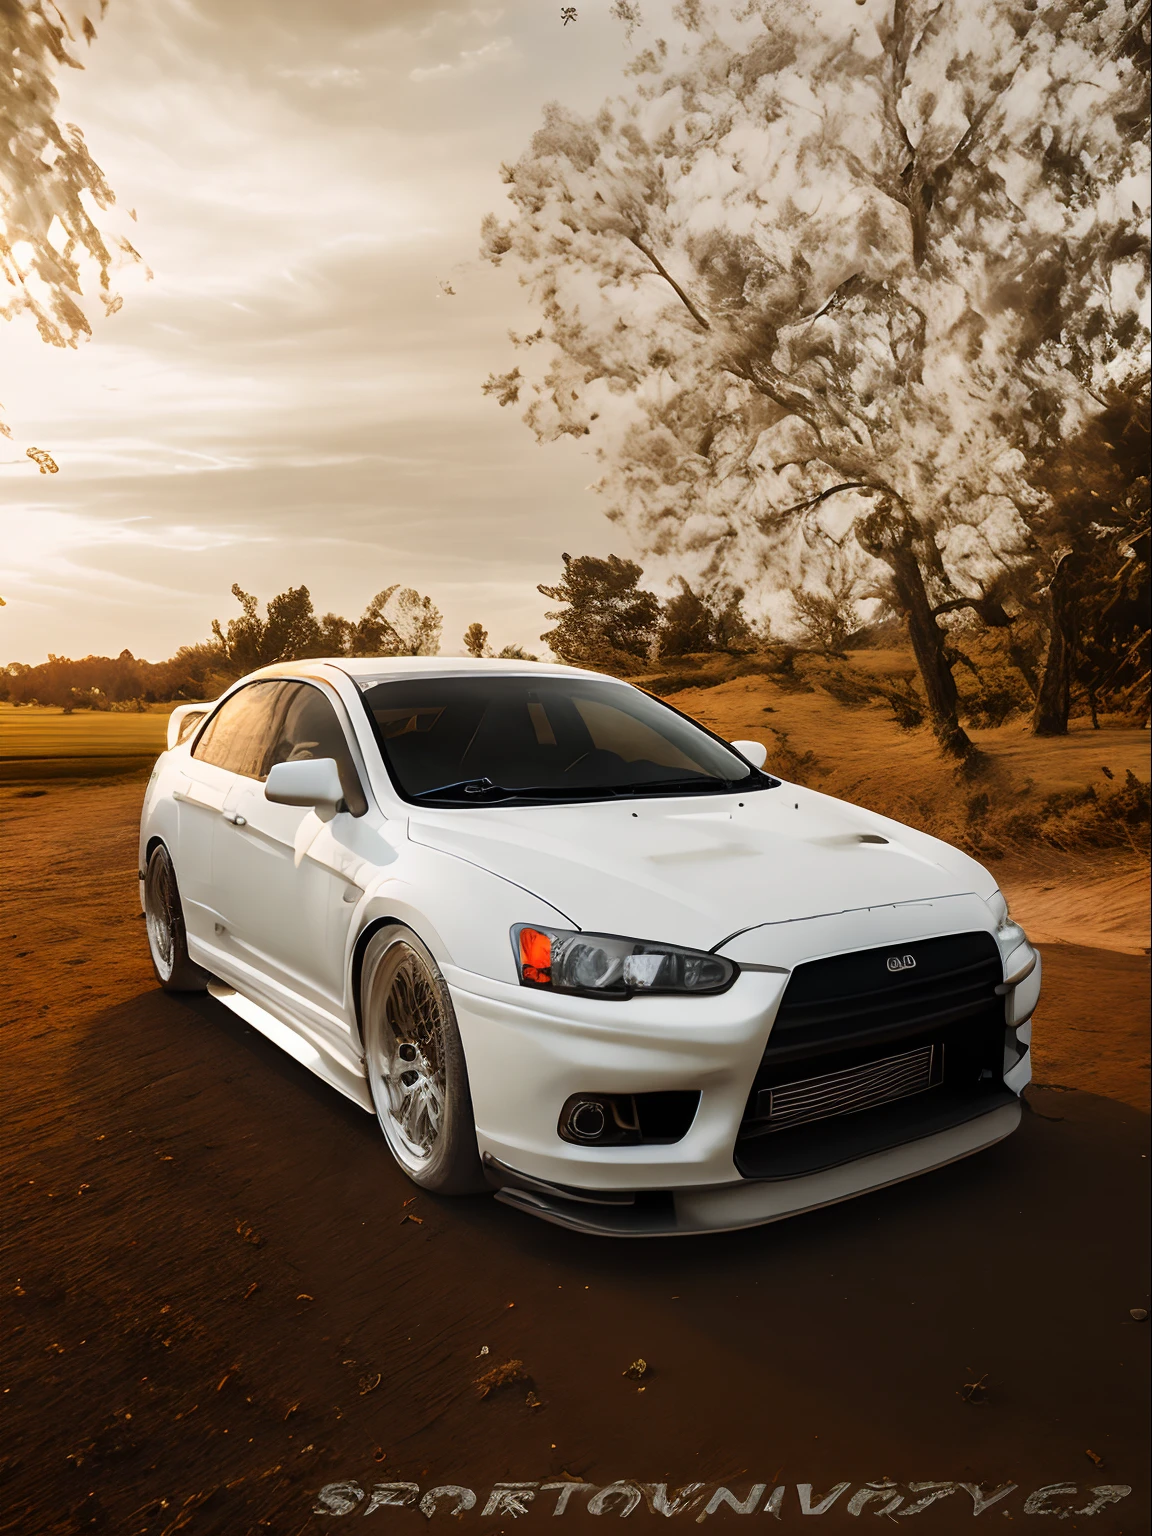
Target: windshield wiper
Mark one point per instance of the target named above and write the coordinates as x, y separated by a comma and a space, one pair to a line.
483, 788
677, 786
485, 791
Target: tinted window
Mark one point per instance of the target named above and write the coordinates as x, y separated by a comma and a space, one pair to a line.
306, 726
475, 738
238, 734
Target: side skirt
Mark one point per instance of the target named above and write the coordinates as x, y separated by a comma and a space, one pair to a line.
326, 1066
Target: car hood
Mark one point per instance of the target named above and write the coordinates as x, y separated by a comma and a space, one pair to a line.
695, 871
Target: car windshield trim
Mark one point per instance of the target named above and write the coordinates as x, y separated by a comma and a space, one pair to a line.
551, 793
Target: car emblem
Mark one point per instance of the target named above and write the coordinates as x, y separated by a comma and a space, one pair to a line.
901, 962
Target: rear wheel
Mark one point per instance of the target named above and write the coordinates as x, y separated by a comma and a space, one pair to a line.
415, 1065
164, 919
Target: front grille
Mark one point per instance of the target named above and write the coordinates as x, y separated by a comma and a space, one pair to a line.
848, 999
855, 1046
850, 1091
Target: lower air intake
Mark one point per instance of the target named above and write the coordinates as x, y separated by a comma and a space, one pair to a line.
852, 1090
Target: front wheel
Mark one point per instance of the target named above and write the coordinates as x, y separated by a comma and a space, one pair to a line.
415, 1065
164, 919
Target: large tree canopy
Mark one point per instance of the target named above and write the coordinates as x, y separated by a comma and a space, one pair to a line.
842, 272
50, 187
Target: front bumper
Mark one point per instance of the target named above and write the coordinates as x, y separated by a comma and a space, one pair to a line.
528, 1051
748, 1203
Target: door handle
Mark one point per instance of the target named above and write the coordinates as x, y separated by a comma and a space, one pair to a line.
235, 818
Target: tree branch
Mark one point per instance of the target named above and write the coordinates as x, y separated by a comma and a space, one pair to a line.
670, 280
832, 490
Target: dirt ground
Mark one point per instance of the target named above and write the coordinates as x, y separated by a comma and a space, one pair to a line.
858, 754
216, 1302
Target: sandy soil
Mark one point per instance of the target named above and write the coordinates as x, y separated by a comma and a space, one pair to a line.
215, 1303
1100, 901
859, 755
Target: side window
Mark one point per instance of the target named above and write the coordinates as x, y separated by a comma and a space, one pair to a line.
237, 736
307, 726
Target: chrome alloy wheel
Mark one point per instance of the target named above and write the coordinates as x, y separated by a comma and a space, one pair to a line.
405, 1058
162, 915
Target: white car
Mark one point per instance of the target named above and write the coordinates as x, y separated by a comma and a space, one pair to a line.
566, 943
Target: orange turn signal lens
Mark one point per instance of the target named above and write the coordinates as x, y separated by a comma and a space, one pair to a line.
535, 957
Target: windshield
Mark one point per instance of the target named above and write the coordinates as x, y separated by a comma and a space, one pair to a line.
483, 740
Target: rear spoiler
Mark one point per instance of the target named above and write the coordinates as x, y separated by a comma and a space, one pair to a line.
184, 719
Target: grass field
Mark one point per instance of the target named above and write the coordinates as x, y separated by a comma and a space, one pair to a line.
40, 742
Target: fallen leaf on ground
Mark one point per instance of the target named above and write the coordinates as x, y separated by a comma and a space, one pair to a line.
502, 1376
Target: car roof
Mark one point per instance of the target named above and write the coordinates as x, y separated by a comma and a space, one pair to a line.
368, 669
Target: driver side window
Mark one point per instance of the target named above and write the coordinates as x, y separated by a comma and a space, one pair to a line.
305, 727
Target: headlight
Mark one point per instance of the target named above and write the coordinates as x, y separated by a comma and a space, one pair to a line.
1006, 929
559, 960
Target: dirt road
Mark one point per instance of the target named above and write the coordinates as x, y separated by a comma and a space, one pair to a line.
216, 1305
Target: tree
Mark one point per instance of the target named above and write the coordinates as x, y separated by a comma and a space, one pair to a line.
476, 640
692, 622
397, 622
829, 618
826, 282
1096, 547
48, 181
609, 621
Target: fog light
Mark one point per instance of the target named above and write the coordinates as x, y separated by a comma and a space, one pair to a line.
627, 1119
586, 1120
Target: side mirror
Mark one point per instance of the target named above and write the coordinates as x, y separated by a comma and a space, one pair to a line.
755, 751
314, 782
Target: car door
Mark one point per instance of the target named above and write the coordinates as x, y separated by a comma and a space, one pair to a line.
231, 746
285, 879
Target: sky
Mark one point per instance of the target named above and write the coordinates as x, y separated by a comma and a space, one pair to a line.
292, 396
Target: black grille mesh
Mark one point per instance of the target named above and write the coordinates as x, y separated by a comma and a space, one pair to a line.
829, 1004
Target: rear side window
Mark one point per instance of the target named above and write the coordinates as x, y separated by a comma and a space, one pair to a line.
238, 735
306, 726
187, 725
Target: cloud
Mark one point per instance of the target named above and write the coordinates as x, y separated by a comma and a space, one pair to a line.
321, 75
467, 61
457, 19
292, 398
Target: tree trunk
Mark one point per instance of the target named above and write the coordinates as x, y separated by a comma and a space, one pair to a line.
1054, 696
1023, 664
888, 535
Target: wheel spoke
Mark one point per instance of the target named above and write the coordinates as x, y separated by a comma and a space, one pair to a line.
407, 1062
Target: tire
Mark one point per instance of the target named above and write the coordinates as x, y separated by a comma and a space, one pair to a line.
415, 1065
164, 920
